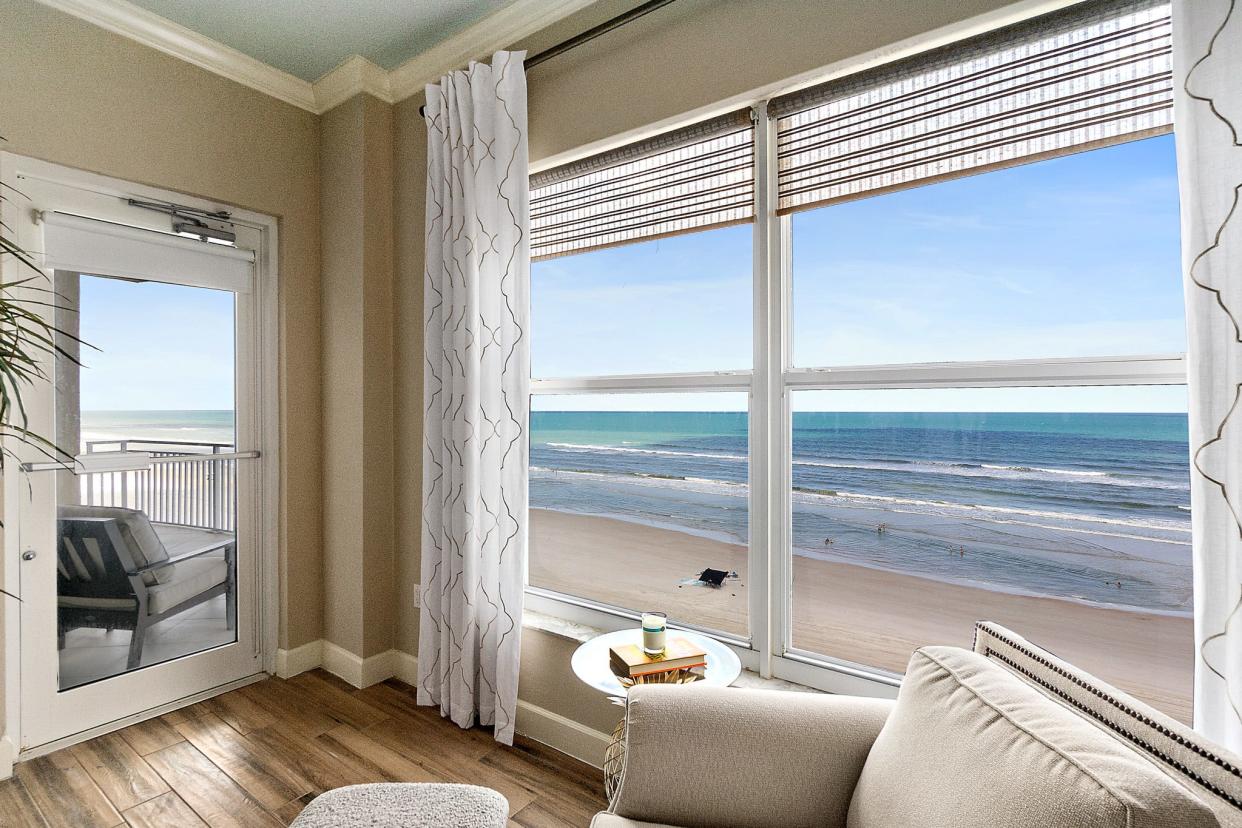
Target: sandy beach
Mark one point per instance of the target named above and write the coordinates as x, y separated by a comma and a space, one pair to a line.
859, 614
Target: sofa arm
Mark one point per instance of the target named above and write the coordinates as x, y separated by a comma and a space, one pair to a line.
730, 758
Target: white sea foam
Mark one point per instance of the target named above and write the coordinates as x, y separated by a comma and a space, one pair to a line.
982, 470
1158, 525
631, 450
1071, 472
1011, 515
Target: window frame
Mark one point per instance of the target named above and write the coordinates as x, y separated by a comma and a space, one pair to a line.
769, 648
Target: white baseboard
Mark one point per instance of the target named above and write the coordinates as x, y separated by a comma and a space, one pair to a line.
534, 722
300, 659
406, 667
566, 735
358, 671
8, 755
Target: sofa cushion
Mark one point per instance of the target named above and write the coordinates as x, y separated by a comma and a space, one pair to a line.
723, 757
969, 745
607, 820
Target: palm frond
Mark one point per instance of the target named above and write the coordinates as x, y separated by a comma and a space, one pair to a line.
28, 340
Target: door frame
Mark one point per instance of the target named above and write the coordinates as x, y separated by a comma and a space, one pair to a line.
266, 398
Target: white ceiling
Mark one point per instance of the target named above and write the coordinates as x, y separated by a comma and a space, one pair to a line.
308, 38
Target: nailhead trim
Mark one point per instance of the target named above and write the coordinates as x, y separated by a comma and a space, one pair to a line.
1134, 714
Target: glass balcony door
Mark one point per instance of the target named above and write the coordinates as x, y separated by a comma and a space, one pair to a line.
138, 537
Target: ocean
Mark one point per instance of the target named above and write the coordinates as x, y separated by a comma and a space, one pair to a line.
1085, 507
176, 426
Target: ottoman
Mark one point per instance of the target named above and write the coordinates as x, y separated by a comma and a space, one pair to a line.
406, 805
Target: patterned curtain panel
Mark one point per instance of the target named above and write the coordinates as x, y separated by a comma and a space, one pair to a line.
476, 394
1207, 42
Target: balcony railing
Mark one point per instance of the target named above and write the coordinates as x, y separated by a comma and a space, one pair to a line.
196, 492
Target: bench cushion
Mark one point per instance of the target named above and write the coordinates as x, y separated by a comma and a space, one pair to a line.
970, 745
194, 577
145, 546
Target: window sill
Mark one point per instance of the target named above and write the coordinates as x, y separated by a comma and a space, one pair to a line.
581, 633
560, 627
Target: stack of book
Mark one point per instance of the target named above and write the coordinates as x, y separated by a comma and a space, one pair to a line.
629, 661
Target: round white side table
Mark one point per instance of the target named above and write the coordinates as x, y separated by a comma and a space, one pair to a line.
590, 660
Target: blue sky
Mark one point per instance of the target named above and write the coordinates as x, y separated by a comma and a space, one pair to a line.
161, 347
1075, 256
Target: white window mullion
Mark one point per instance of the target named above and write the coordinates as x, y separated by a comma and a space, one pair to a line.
644, 383
781, 440
768, 418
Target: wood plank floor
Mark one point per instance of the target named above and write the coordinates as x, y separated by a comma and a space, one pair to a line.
256, 756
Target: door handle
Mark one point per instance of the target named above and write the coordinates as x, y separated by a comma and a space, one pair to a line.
147, 461
29, 555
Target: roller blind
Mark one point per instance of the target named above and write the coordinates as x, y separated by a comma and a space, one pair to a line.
87, 245
692, 179
1094, 74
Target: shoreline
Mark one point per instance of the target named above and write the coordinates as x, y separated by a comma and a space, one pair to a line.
870, 616
1017, 592
818, 555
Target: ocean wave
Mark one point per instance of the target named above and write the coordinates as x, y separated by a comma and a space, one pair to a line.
956, 469
1071, 472
1159, 525
993, 471
631, 450
993, 514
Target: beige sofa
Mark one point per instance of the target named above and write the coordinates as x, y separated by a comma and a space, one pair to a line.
1007, 735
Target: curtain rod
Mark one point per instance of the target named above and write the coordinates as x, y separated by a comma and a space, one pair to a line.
589, 35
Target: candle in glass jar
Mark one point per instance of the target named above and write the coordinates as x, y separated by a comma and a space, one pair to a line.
655, 625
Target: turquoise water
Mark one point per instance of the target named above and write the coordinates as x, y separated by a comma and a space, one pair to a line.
177, 426
1092, 507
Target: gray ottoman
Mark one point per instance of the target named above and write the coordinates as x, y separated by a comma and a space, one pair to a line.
406, 805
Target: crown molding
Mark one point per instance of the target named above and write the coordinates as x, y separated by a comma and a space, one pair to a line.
150, 29
498, 30
353, 76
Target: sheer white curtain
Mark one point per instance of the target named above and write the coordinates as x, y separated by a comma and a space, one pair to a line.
475, 394
1207, 43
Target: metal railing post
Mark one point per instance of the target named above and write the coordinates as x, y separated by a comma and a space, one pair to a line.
217, 492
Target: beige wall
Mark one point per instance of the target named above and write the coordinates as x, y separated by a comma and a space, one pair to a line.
76, 95
356, 148
410, 174
546, 681
694, 53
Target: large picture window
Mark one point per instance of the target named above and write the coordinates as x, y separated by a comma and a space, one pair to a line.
940, 381
641, 352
